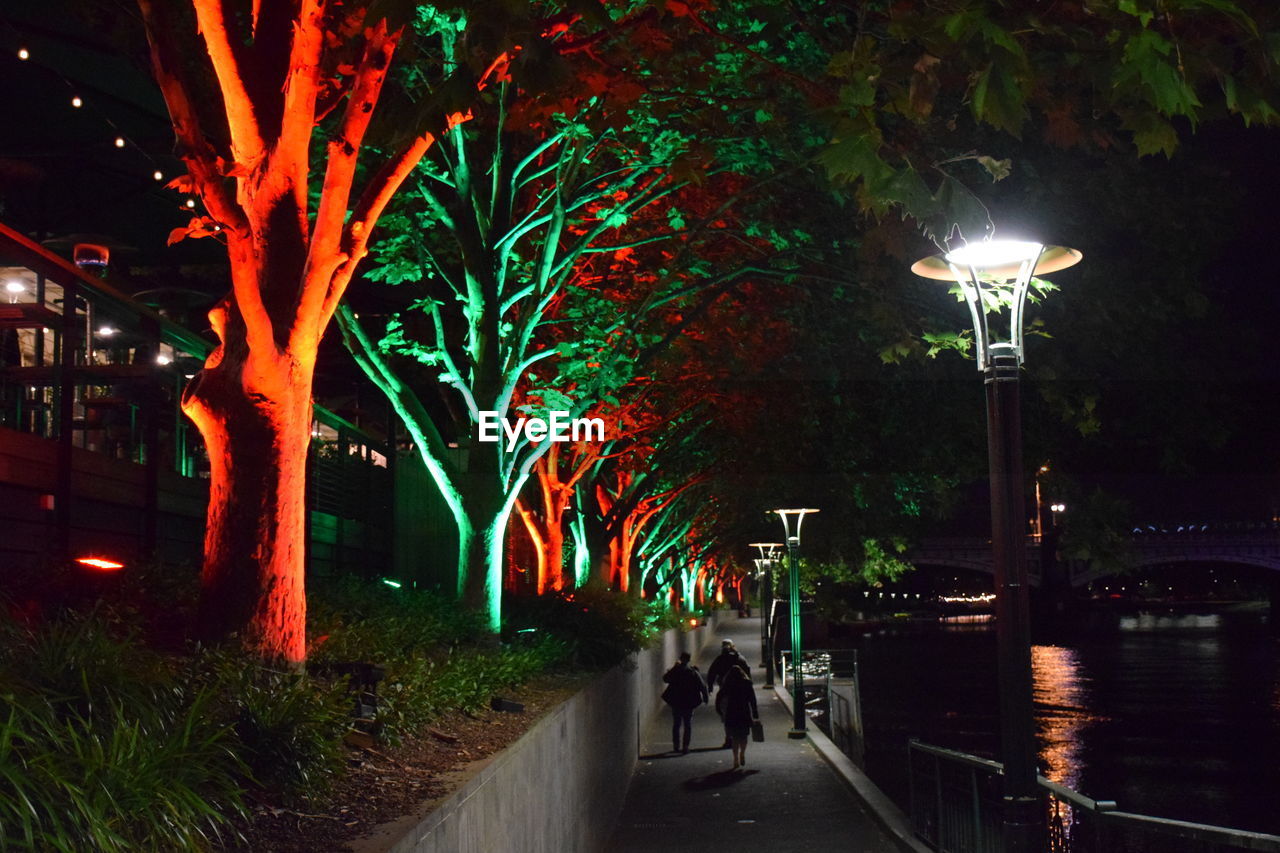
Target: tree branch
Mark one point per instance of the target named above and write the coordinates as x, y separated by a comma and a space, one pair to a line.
247, 146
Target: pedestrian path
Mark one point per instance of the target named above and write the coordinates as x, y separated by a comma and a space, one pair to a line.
787, 798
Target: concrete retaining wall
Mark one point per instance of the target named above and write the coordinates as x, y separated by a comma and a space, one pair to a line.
560, 787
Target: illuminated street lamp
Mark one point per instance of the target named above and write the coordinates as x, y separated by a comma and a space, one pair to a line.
764, 566
793, 571
1039, 522
995, 275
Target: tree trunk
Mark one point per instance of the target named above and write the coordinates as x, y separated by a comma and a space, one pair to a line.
482, 527
255, 537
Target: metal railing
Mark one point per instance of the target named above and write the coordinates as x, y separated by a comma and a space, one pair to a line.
955, 808
832, 696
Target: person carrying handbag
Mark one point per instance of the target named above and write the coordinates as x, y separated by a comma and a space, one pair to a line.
736, 703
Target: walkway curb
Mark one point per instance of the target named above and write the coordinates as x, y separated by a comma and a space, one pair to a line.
885, 812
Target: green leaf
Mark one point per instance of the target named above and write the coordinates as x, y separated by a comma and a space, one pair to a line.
998, 169
1152, 134
1130, 7
997, 99
1145, 58
856, 157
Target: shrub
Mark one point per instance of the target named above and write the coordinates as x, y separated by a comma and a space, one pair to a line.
600, 626
425, 645
288, 727
102, 749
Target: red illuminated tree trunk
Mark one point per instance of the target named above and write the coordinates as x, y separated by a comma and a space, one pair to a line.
252, 578
555, 490
246, 90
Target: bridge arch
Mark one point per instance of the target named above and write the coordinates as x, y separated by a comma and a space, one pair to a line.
1146, 561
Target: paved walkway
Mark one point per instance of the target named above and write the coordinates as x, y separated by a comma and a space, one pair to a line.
786, 799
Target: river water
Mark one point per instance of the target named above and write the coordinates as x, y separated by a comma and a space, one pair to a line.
1175, 714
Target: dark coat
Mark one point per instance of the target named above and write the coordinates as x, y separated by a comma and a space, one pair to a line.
736, 703
685, 687
720, 666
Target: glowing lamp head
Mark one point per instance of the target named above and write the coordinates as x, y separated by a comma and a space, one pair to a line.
101, 564
163, 359
994, 254
768, 550
993, 275
14, 287
787, 516
106, 331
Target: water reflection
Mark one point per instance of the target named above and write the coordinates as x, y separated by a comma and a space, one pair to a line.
1063, 697
1170, 621
1176, 715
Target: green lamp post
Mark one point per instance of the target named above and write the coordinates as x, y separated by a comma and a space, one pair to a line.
764, 567
788, 516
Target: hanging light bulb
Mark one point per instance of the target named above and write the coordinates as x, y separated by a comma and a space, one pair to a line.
24, 54
191, 202
119, 141
158, 175
77, 102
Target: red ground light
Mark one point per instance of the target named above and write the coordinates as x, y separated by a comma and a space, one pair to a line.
100, 563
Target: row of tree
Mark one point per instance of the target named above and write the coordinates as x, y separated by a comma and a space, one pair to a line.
607, 210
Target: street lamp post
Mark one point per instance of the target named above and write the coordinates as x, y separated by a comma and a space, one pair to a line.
799, 718
768, 550
1039, 516
992, 275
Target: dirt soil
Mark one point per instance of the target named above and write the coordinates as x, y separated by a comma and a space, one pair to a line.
383, 783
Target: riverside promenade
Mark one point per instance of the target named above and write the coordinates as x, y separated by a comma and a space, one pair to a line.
787, 798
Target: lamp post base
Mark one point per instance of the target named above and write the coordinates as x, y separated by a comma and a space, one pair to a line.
1024, 830
797, 734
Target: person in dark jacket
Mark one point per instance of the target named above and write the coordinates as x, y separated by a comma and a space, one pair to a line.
736, 703
727, 659
685, 691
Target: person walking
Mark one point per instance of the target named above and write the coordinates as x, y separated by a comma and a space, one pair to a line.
736, 703
728, 659
685, 691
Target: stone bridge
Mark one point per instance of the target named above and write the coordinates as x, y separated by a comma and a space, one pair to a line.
1149, 547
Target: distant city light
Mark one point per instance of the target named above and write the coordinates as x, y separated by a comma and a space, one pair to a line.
984, 598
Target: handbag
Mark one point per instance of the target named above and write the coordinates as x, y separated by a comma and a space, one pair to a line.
757, 731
